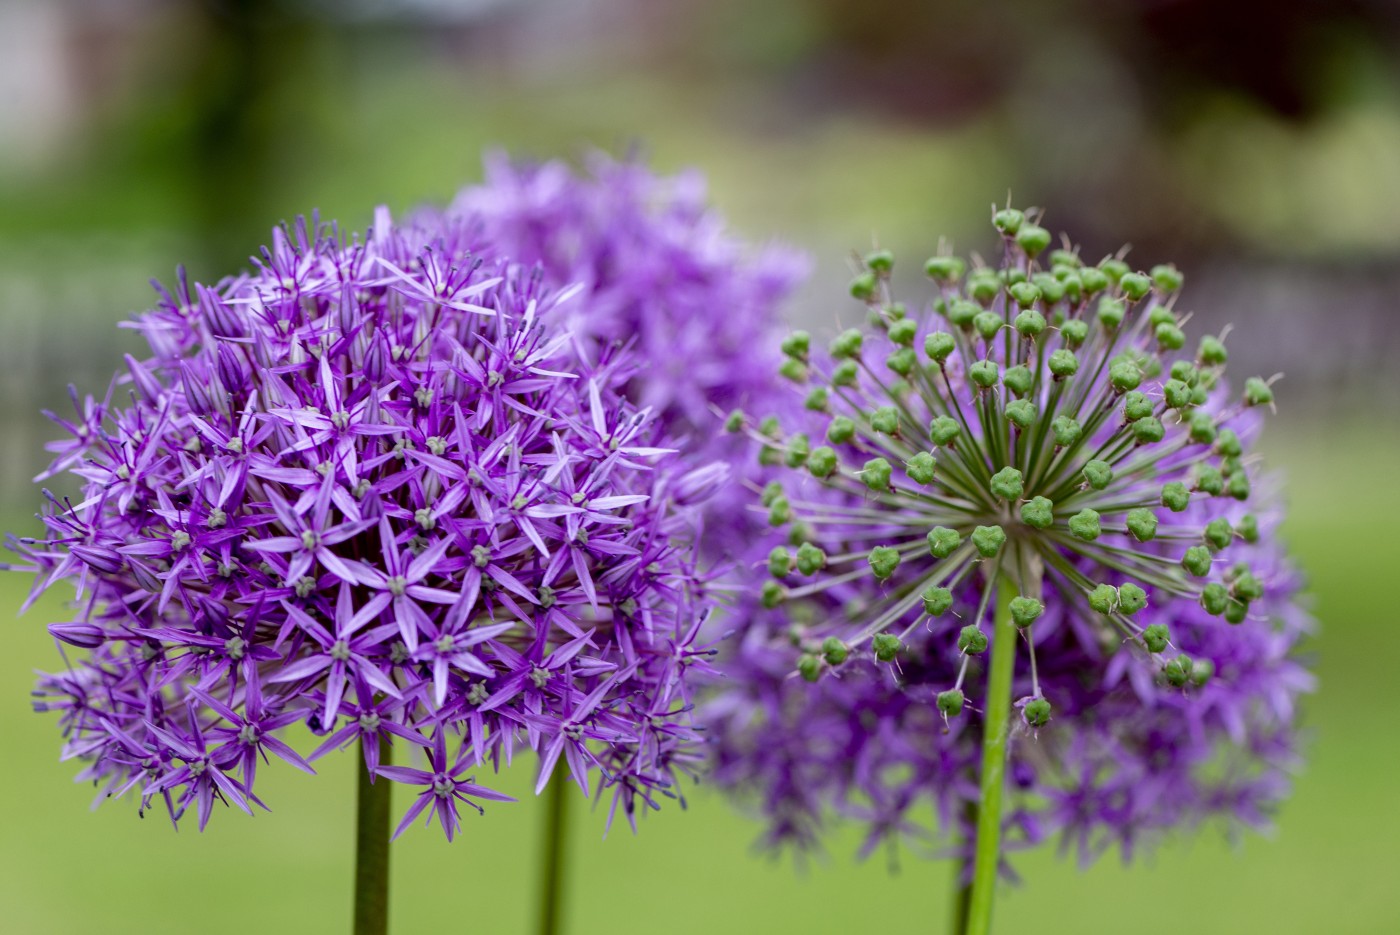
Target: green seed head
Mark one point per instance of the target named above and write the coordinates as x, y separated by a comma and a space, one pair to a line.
841, 430
822, 462
1131, 598
1136, 406
1085, 525
810, 559
1142, 524
1021, 413
984, 373
1025, 611
883, 561
943, 541
1008, 484
847, 344
1197, 561
1178, 671
797, 345
1038, 513
1074, 332
1018, 379
943, 430
1033, 239
988, 540
937, 600
1036, 712
920, 468
886, 646
1066, 431
1098, 474
885, 419
834, 651
1103, 598
939, 345
1063, 364
876, 474
779, 562
971, 640
950, 702
1156, 637
945, 269
809, 667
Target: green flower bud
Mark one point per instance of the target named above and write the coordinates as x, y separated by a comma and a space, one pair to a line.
1167, 277
1228, 444
988, 324
845, 374
1160, 315
1199, 395
735, 421
1011, 275
885, 419
1248, 528
939, 345
1156, 637
1067, 431
876, 474
983, 285
797, 345
841, 430
894, 312
1038, 513
863, 286
1021, 413
1177, 394
962, 312
1257, 392
1236, 612
1051, 289
1074, 332
1219, 534
1175, 496
1212, 352
937, 601
1025, 611
818, 400
772, 491
988, 540
1131, 598
1085, 525
881, 261
847, 344
883, 561
822, 462
1197, 561
1238, 486
920, 468
1142, 524
1124, 375
1103, 598
1008, 483
1215, 598
1247, 588
902, 332
944, 268
1209, 480
1110, 313
1008, 221
1093, 279
1026, 294
1201, 672
984, 373
1064, 364
810, 559
1018, 379
1170, 337
799, 446
1135, 285
1036, 712
810, 667
1032, 239
1098, 474
1148, 431
902, 361
943, 430
971, 640
950, 702
1184, 371
779, 562
780, 513
886, 646
1202, 427
1114, 269
834, 651
772, 594
943, 541
1178, 671
1136, 406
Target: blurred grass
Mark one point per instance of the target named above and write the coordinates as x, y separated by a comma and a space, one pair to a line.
1330, 866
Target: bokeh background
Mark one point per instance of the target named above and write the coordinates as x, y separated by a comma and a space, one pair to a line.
1256, 145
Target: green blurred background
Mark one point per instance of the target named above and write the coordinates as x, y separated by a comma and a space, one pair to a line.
1258, 146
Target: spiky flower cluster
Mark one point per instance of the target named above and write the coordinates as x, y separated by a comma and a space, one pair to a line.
374, 488
663, 276
1039, 444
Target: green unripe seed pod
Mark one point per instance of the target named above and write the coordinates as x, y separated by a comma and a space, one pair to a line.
920, 468
984, 373
903, 331
1184, 371
988, 324
1257, 392
937, 600
943, 430
1033, 239
950, 702
1025, 611
735, 421
772, 594
876, 474
819, 400
1131, 598
943, 541
902, 361
799, 446
1067, 431
1156, 637
797, 345
810, 559
1197, 561
886, 646
1038, 513
1103, 598
1247, 588
1098, 474
1238, 486
945, 268
780, 512
822, 462
1177, 394
1202, 428
1175, 496
864, 285
1093, 279
971, 640
1051, 289
779, 562
1136, 405
1018, 379
1219, 534
881, 261
1025, 294
1142, 524
883, 561
1149, 431
1248, 528
988, 540
1178, 671
983, 286
1114, 269
1201, 672
1167, 277
939, 345
847, 344
834, 651
1008, 221
1199, 394
1135, 285
1125, 375
1160, 315
1008, 484
1021, 413
1110, 313
885, 419
1236, 611
809, 667
772, 491
1036, 712
1074, 332
1215, 598
1228, 444
841, 430
962, 313
845, 374
1211, 352
1064, 364
1209, 480
1085, 525
1170, 337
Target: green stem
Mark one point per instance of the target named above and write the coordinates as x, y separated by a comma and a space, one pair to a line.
962, 892
372, 849
553, 845
995, 731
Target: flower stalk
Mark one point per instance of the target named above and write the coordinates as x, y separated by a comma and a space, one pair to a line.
372, 850
554, 845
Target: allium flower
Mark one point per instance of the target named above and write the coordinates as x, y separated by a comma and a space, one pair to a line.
1034, 464
661, 274
374, 487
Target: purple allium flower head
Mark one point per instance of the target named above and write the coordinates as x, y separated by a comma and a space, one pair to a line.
1041, 423
374, 486
660, 273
